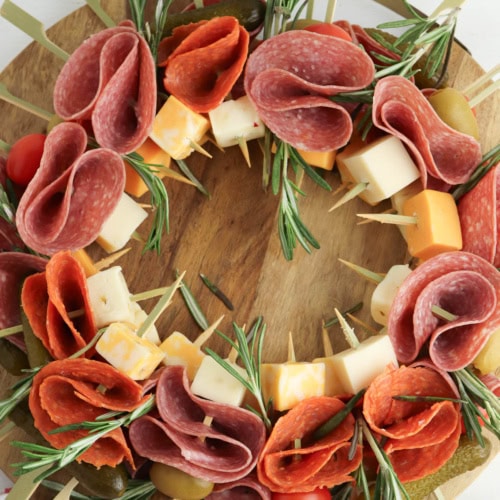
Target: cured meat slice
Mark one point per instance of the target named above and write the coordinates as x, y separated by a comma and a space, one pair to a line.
72, 193
47, 300
444, 156
282, 467
111, 80
421, 436
479, 212
205, 64
72, 391
225, 451
247, 488
290, 78
459, 282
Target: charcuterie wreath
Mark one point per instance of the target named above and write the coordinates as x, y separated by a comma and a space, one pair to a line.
247, 253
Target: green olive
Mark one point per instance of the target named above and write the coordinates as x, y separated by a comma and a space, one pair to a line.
453, 108
178, 484
300, 24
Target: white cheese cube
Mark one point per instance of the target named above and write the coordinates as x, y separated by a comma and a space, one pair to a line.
385, 291
333, 386
132, 355
234, 120
120, 225
289, 383
213, 382
109, 297
398, 200
385, 165
138, 316
356, 368
176, 127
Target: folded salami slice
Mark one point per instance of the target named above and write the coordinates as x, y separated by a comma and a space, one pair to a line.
205, 61
290, 78
444, 156
72, 193
48, 298
110, 79
247, 488
285, 468
76, 390
225, 451
462, 284
479, 212
421, 436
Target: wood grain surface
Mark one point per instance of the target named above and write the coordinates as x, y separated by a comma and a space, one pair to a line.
232, 235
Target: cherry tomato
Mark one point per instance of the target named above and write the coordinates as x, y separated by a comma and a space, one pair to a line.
24, 158
317, 494
329, 29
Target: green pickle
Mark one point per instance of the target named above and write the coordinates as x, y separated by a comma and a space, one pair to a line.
37, 354
469, 455
12, 358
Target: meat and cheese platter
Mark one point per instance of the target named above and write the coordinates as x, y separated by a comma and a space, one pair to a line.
247, 253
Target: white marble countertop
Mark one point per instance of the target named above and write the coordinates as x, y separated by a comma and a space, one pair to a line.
477, 29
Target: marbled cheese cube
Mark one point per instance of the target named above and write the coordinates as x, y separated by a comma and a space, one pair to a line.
179, 350
138, 316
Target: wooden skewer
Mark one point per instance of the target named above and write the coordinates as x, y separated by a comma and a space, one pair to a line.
95, 5
197, 147
110, 259
476, 84
291, 349
242, 143
389, 211
362, 271
362, 324
330, 11
65, 493
327, 345
310, 9
446, 5
6, 96
400, 220
351, 194
204, 336
31, 26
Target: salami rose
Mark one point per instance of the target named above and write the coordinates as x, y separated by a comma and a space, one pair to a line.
290, 79
223, 452
111, 80
72, 193
420, 436
247, 488
461, 283
444, 156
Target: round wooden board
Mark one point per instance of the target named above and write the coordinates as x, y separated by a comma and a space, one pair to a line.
232, 236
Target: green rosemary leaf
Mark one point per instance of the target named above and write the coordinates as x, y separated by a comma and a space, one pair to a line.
217, 292
311, 172
397, 24
192, 304
184, 168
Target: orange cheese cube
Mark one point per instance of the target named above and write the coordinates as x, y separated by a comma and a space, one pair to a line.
438, 226
86, 262
179, 350
152, 154
321, 159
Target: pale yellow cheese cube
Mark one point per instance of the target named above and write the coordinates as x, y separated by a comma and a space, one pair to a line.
356, 368
109, 297
214, 382
234, 120
289, 383
385, 166
132, 355
179, 350
120, 225
488, 359
385, 291
176, 127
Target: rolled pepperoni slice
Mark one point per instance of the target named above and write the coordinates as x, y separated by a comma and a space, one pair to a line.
444, 156
223, 452
205, 61
72, 391
461, 283
111, 80
290, 79
72, 193
48, 298
286, 468
420, 436
479, 212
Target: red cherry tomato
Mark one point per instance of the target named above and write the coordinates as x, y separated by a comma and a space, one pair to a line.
317, 494
24, 158
329, 29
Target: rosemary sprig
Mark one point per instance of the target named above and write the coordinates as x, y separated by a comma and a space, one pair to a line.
193, 306
278, 13
217, 292
7, 208
250, 353
159, 200
490, 159
57, 459
20, 390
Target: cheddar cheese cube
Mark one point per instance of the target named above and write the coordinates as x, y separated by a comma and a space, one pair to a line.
109, 297
134, 356
176, 128
356, 368
385, 166
438, 225
85, 261
289, 383
234, 120
321, 159
398, 200
385, 291
179, 350
214, 382
121, 224
153, 155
